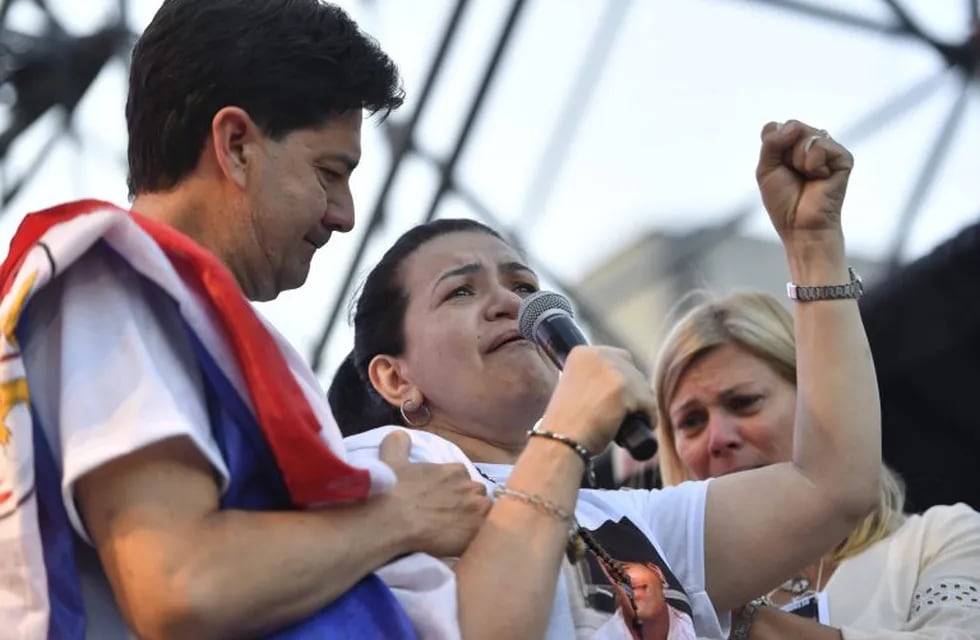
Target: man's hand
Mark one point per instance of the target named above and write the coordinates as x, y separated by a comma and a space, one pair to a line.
441, 505
174, 558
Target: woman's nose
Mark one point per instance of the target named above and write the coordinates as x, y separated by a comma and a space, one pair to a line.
505, 302
723, 435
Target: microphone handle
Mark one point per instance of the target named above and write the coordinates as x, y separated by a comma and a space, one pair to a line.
636, 436
557, 334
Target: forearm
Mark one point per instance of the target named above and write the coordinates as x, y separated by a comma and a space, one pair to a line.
280, 567
815, 500
771, 623
506, 578
837, 440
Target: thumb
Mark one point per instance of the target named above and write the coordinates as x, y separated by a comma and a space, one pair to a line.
394, 449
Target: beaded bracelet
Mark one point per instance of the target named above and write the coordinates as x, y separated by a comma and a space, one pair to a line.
740, 630
576, 447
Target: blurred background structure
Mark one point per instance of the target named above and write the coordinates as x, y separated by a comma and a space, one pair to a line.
613, 140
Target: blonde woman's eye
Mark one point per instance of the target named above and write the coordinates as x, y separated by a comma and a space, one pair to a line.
743, 403
692, 421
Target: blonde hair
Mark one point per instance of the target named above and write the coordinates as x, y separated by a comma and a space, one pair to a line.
757, 323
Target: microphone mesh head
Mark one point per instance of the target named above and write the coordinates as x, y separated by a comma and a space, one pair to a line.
536, 304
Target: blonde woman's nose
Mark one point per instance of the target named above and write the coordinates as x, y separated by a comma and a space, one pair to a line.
723, 435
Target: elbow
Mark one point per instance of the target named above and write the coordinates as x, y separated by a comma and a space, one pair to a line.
180, 610
165, 623
857, 500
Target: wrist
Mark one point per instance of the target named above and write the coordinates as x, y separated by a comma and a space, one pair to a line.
574, 428
549, 469
557, 448
773, 622
572, 444
745, 618
398, 530
813, 244
817, 259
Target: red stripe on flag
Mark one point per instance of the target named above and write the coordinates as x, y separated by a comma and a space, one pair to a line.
313, 474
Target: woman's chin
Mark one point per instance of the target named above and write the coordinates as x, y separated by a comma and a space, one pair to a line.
739, 468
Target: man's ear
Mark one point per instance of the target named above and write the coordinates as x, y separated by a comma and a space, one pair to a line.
234, 139
388, 379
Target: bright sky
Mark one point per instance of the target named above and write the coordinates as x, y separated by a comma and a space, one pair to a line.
668, 137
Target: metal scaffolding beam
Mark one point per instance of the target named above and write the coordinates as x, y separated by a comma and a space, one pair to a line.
403, 141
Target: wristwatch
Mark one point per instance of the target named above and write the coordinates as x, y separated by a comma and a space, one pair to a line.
853, 289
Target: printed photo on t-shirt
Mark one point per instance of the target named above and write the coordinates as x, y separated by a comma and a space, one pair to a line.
662, 607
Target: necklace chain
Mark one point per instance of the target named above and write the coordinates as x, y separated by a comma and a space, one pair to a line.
799, 585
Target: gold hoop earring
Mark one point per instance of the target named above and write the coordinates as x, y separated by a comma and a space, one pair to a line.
408, 421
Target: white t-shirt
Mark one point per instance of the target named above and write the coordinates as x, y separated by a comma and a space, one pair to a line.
664, 528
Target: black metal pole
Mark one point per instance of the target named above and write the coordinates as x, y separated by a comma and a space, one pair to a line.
570, 118
837, 17
448, 169
12, 190
403, 141
928, 175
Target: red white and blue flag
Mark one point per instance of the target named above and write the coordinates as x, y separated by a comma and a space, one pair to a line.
274, 429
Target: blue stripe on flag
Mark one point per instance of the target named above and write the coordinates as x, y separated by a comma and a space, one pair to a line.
67, 617
367, 611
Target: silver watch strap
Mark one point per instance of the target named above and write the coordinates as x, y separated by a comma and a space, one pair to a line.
804, 293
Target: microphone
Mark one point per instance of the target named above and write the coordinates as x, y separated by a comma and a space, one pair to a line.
545, 318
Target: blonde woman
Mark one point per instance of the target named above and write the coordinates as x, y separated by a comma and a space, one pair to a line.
725, 382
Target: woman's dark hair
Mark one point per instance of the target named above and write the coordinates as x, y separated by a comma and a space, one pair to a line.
291, 64
379, 327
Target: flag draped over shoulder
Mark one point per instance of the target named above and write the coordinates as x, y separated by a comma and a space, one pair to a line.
246, 368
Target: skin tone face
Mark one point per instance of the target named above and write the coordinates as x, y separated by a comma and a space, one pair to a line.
731, 412
264, 206
299, 194
483, 384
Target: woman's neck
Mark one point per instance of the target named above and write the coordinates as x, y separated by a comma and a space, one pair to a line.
811, 579
480, 449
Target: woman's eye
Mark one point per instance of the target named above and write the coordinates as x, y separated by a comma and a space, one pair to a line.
460, 291
691, 421
743, 403
525, 287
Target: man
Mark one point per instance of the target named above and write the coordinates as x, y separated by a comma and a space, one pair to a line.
175, 431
